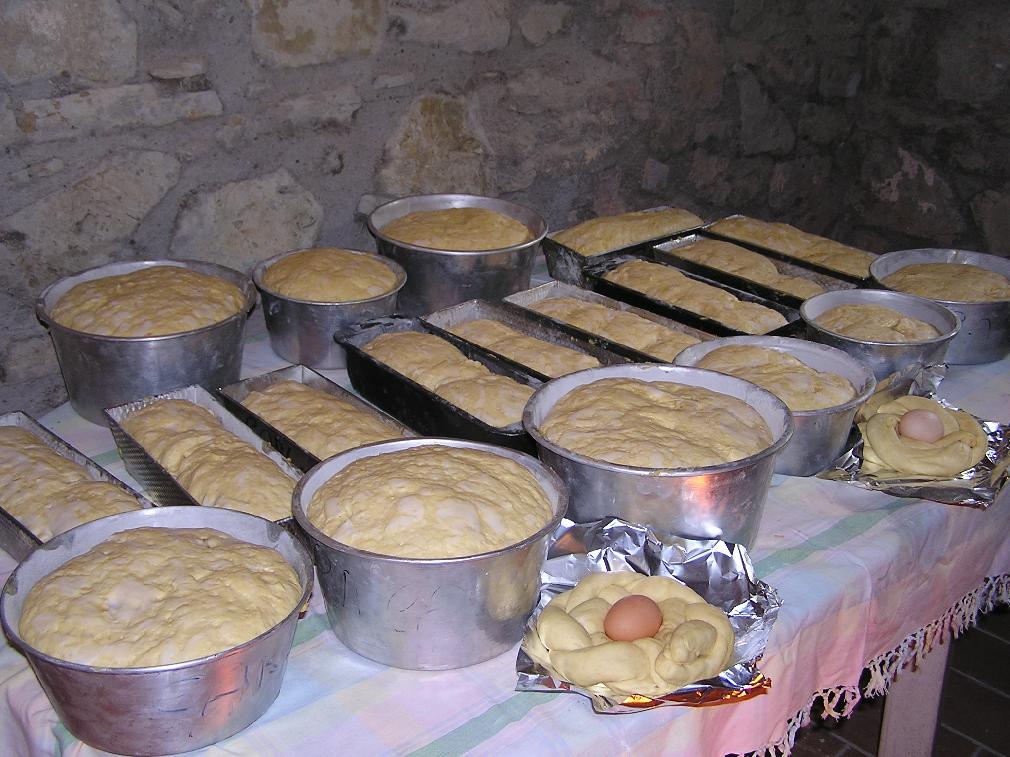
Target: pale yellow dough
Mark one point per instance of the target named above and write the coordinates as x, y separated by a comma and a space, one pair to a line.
788, 378
431, 501
437, 365
148, 302
156, 596
316, 420
953, 282
875, 323
694, 642
745, 264
618, 326
663, 282
49, 494
655, 424
613, 232
549, 359
790, 241
326, 274
461, 229
887, 454
213, 465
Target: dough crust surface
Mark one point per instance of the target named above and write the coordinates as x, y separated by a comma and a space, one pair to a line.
549, 359
655, 424
431, 501
875, 323
461, 229
148, 302
156, 596
613, 232
788, 378
956, 282
663, 282
326, 274
745, 264
694, 642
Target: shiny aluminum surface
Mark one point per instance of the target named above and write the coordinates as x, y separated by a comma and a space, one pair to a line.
884, 358
428, 614
719, 501
301, 331
101, 371
162, 709
439, 278
820, 435
985, 326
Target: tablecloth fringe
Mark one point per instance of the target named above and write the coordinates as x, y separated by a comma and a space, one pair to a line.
839, 701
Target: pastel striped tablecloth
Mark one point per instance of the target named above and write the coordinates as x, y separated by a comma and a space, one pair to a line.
866, 580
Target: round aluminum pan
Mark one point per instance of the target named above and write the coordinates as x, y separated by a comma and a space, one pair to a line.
161, 709
714, 502
103, 371
437, 279
985, 326
428, 614
884, 358
301, 331
820, 435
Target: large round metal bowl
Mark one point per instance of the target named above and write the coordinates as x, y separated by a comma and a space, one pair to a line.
714, 502
437, 279
819, 435
301, 331
985, 326
428, 614
161, 709
884, 358
103, 371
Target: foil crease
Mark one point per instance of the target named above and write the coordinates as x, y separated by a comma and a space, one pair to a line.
719, 571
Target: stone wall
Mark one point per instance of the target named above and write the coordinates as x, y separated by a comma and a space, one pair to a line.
229, 130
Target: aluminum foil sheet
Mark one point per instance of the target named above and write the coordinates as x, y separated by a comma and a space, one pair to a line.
719, 571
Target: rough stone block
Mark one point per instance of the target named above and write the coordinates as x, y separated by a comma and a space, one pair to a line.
173, 70
367, 203
764, 128
291, 33
391, 81
655, 176
543, 20
333, 106
474, 26
973, 55
991, 210
38, 170
29, 358
9, 131
644, 23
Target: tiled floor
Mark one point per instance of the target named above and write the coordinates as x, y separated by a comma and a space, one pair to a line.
974, 711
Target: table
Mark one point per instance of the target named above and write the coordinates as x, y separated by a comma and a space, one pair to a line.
867, 580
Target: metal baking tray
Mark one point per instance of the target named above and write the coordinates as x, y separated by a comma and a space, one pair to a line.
15, 538
707, 231
419, 407
232, 396
610, 260
566, 265
522, 301
829, 283
158, 482
522, 321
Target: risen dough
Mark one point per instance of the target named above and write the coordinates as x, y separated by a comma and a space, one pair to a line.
655, 424
694, 642
875, 323
316, 420
437, 365
788, 378
458, 229
49, 494
888, 454
327, 274
612, 232
745, 264
954, 282
148, 302
549, 359
156, 596
618, 326
666, 283
213, 465
431, 501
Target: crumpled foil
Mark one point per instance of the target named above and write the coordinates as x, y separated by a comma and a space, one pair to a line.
719, 571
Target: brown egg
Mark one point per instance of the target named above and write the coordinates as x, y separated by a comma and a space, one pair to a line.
634, 617
921, 425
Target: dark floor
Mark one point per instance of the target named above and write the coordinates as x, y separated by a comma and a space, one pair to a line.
974, 710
